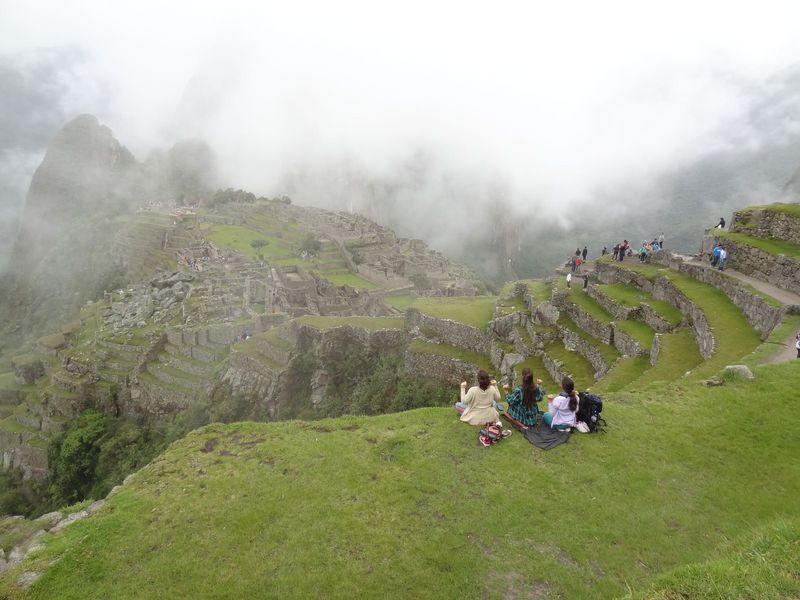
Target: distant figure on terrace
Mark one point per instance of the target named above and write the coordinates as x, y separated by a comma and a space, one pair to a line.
561, 409
721, 224
477, 405
723, 258
584, 253
715, 255
605, 251
661, 240
523, 402
797, 343
569, 279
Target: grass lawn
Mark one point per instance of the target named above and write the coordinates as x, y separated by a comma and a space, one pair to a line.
400, 301
578, 368
371, 323
535, 364
639, 331
479, 360
623, 372
679, 353
539, 289
789, 325
507, 306
350, 279
771, 246
398, 506
238, 238
470, 310
578, 297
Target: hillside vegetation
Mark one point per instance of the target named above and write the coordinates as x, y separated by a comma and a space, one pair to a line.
410, 505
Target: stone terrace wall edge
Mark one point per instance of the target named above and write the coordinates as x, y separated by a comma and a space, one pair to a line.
448, 331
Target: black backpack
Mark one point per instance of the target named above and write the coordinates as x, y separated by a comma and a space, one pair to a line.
589, 409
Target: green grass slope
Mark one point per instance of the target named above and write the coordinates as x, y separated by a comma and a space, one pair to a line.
411, 506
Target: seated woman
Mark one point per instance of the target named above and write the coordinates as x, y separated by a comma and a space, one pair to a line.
562, 408
477, 404
523, 401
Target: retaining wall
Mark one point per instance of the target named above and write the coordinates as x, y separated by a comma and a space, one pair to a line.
448, 332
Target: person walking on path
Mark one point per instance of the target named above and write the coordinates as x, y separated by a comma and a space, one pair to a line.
569, 279
797, 344
585, 281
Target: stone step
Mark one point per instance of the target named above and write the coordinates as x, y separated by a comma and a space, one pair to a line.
173, 376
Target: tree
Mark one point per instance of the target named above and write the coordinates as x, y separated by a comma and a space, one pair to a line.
311, 246
421, 281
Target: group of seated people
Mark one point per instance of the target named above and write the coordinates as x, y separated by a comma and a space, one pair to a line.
647, 249
480, 405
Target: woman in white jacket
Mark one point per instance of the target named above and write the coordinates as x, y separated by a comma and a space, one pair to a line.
561, 409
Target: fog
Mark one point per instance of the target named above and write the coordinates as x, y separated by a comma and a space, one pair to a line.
431, 117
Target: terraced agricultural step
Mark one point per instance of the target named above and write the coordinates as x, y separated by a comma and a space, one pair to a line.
154, 387
120, 377
121, 364
61, 401
68, 381
122, 349
172, 376
177, 359
559, 362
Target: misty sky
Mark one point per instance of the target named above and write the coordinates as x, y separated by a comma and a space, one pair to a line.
551, 103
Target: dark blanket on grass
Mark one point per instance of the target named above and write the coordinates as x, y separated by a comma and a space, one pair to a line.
545, 438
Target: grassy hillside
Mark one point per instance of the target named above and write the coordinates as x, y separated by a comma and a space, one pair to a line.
410, 505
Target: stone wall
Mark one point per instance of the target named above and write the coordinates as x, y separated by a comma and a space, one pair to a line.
19, 450
554, 367
449, 332
573, 341
504, 326
767, 224
780, 270
655, 349
598, 330
440, 368
655, 320
612, 306
626, 344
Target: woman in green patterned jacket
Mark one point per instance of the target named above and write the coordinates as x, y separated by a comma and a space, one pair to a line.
523, 401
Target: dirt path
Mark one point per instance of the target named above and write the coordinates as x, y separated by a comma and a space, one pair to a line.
785, 351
